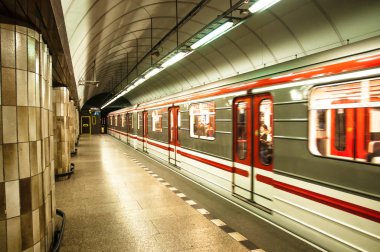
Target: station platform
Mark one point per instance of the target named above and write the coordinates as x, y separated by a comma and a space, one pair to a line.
120, 200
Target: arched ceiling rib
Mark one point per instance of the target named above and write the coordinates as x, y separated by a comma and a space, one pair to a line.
106, 32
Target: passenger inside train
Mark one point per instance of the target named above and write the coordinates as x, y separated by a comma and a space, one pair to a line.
265, 145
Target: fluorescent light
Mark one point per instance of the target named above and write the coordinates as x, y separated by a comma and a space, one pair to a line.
262, 5
212, 35
177, 57
152, 72
138, 82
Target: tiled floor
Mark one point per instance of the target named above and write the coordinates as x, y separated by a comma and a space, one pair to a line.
113, 204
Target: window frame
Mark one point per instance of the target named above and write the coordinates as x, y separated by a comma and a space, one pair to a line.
313, 145
192, 123
154, 118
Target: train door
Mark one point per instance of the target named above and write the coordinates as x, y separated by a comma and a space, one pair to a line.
173, 134
85, 125
128, 127
145, 131
252, 148
242, 153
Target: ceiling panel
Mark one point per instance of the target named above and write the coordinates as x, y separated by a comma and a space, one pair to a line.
115, 34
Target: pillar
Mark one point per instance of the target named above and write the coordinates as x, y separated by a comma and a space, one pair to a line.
61, 130
72, 119
27, 203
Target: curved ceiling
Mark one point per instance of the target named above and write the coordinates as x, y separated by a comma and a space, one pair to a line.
114, 34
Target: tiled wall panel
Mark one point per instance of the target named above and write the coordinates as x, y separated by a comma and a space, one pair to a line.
27, 201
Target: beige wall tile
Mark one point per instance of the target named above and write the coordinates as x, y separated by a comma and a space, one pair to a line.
36, 225
39, 156
31, 54
21, 52
3, 236
45, 123
35, 199
12, 196
7, 48
42, 222
1, 164
43, 95
25, 196
8, 27
23, 160
9, 124
46, 182
21, 29
32, 124
8, 87
38, 123
38, 85
27, 230
33, 157
31, 89
1, 126
22, 87
46, 149
10, 162
37, 48
14, 234
2, 203
37, 247
23, 124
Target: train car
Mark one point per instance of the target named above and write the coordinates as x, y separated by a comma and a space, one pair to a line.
299, 147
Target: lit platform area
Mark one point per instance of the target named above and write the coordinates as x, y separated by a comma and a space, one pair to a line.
120, 200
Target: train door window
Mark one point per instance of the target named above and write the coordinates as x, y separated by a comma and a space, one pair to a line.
265, 131
123, 120
344, 121
340, 130
116, 120
110, 120
139, 120
202, 120
241, 130
157, 120
132, 121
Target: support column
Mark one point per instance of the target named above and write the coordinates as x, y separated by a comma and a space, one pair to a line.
27, 200
61, 130
72, 126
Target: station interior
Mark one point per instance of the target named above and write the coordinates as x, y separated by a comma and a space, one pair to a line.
189, 125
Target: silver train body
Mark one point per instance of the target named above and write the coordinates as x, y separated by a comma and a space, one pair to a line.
297, 143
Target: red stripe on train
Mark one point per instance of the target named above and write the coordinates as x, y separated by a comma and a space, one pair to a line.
215, 164
158, 145
345, 206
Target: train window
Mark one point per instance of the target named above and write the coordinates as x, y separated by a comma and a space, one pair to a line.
344, 121
242, 130
116, 121
265, 131
123, 119
157, 120
202, 120
131, 121
110, 120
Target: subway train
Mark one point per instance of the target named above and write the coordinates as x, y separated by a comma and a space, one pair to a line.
297, 143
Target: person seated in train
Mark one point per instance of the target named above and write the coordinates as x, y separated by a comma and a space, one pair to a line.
200, 129
265, 148
373, 155
209, 130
